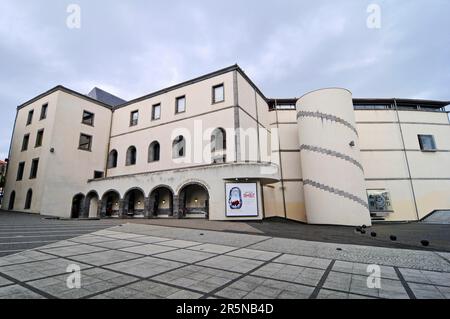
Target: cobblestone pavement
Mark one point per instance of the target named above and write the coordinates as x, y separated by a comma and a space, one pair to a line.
148, 261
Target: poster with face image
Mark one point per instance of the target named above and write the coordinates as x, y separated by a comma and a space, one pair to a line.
241, 199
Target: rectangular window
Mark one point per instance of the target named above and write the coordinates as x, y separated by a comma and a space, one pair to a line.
85, 142
20, 170
427, 142
134, 117
25, 141
156, 111
39, 137
44, 111
88, 118
218, 93
30, 117
34, 168
180, 104
98, 174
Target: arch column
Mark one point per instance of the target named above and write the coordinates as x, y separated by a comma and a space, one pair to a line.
176, 206
100, 208
122, 212
147, 207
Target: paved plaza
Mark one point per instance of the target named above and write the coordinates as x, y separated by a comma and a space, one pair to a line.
150, 261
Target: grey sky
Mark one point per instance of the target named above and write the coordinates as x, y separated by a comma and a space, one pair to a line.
131, 48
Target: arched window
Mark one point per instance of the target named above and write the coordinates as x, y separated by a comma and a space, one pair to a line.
112, 159
178, 147
131, 156
218, 145
12, 199
153, 152
28, 199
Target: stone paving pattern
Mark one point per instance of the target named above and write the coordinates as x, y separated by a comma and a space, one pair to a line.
147, 261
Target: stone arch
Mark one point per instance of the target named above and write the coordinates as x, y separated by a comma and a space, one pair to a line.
134, 202
111, 203
193, 200
161, 201
77, 206
92, 207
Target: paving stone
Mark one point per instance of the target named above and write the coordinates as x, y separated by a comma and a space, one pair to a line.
24, 257
213, 248
72, 250
426, 277
361, 269
119, 235
150, 239
145, 267
148, 249
39, 269
62, 243
330, 294
105, 257
186, 256
253, 254
251, 287
423, 291
295, 274
4, 282
179, 243
18, 292
93, 281
231, 263
116, 244
197, 278
390, 289
304, 261
89, 239
338, 281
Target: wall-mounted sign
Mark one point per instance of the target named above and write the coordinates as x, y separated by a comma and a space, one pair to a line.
379, 200
241, 200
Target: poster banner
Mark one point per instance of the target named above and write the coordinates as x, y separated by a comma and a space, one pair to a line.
241, 200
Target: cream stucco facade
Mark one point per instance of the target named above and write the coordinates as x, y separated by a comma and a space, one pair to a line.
215, 147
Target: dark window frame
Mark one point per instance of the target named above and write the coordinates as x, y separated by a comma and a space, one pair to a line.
131, 161
91, 123
213, 93
151, 150
28, 199
30, 117
20, 171
134, 122
25, 147
44, 109
34, 168
422, 145
178, 98
90, 142
153, 111
176, 152
112, 164
39, 138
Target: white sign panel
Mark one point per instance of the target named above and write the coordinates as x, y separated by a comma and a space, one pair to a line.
241, 199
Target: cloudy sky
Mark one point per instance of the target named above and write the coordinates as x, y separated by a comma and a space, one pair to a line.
287, 47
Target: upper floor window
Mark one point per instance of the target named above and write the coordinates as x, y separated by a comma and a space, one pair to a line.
44, 111
34, 168
20, 170
427, 142
180, 104
25, 141
134, 116
156, 111
30, 117
112, 159
131, 156
88, 118
218, 145
153, 152
218, 93
85, 143
178, 147
39, 138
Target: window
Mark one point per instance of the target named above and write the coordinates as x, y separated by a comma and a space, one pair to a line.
134, 116
34, 168
218, 93
85, 142
30, 117
112, 159
178, 147
39, 137
131, 156
180, 104
88, 118
20, 171
153, 152
427, 142
44, 111
28, 199
218, 145
156, 111
98, 174
25, 141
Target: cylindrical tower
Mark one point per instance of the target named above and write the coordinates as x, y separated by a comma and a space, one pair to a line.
333, 177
